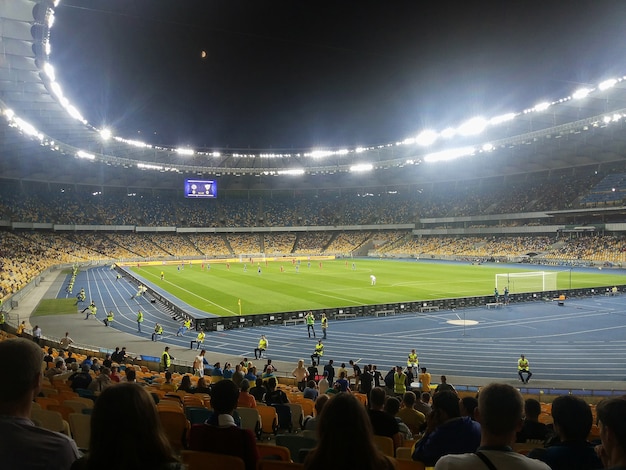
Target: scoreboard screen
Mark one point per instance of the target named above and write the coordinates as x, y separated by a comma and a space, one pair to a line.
200, 189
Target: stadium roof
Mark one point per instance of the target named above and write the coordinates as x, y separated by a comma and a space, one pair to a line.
42, 141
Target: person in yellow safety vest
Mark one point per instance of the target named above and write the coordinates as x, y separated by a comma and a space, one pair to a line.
89, 307
2, 320
110, 318
324, 321
412, 362
399, 381
310, 324
199, 340
158, 331
263, 344
319, 352
523, 366
166, 359
139, 320
20, 329
187, 324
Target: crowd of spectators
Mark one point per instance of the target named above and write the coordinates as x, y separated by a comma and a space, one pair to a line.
513, 194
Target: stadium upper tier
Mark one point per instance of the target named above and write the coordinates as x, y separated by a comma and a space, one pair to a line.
73, 204
46, 139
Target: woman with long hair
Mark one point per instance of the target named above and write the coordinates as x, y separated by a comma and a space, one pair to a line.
301, 374
126, 433
344, 424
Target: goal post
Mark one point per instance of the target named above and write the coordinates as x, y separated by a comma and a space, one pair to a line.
526, 282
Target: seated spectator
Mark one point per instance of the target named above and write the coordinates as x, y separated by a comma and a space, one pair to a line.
130, 375
202, 386
245, 399
500, 413
423, 404
259, 390
58, 369
185, 384
446, 431
80, 379
238, 375
311, 390
24, 445
268, 373
250, 376
95, 366
467, 406
217, 370
612, 423
102, 381
410, 416
140, 442
227, 371
273, 394
70, 359
220, 433
168, 385
87, 361
383, 424
344, 385
392, 406
572, 423
310, 422
343, 425
108, 362
532, 430
49, 359
115, 375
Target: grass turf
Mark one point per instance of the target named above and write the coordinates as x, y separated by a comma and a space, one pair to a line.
55, 307
218, 290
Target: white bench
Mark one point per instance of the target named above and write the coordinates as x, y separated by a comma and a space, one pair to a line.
494, 304
429, 308
294, 321
384, 313
344, 316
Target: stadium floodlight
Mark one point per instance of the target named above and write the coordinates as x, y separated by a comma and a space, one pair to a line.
9, 113
360, 150
49, 71
184, 151
362, 167
342, 152
50, 18
75, 114
488, 147
216, 154
293, 171
449, 154
606, 84
541, 106
147, 166
494, 121
426, 138
56, 89
473, 126
582, 93
27, 128
319, 153
448, 133
105, 134
85, 155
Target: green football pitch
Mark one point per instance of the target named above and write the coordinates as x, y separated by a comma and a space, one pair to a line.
283, 286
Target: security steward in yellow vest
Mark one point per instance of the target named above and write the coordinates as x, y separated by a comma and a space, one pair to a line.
166, 359
263, 343
158, 331
199, 340
319, 352
139, 320
109, 319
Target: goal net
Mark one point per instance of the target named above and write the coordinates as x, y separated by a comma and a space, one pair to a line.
526, 282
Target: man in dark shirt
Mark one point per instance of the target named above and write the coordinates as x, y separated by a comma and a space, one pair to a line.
259, 390
383, 423
532, 430
330, 368
80, 379
273, 394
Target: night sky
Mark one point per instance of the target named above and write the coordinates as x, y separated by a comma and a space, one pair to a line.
343, 73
